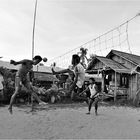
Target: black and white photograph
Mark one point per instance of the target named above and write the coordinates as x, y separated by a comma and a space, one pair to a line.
69, 69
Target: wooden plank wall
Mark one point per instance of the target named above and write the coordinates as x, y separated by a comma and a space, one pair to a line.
132, 87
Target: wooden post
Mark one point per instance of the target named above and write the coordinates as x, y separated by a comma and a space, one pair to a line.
131, 91
137, 93
115, 87
103, 82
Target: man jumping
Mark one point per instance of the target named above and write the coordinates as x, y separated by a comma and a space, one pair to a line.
22, 78
78, 75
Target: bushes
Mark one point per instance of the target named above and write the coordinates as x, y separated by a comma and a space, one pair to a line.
23, 96
8, 84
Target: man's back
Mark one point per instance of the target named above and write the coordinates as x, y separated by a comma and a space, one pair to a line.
79, 69
25, 68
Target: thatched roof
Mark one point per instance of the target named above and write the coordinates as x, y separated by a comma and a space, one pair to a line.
109, 64
135, 59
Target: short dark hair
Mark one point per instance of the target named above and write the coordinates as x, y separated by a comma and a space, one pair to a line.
92, 79
75, 59
37, 57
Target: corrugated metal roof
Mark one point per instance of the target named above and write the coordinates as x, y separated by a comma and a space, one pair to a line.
45, 69
45, 77
131, 57
38, 68
8, 65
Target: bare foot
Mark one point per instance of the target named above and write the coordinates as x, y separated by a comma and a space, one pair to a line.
88, 113
96, 113
43, 103
10, 110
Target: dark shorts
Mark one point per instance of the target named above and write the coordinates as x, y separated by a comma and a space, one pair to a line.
95, 100
88, 94
19, 81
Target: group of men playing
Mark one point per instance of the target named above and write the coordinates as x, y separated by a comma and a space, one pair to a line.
78, 78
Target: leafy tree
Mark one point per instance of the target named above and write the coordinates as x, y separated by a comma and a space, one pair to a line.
83, 57
8, 84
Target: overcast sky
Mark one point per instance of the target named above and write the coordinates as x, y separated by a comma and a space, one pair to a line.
61, 25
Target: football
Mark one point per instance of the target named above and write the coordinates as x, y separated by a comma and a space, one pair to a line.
45, 59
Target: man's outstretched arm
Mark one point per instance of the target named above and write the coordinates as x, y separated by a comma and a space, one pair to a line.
61, 71
20, 62
87, 89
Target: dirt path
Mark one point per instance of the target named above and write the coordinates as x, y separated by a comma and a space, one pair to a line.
70, 122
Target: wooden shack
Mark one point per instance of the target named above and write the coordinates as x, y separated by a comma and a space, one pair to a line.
119, 72
42, 74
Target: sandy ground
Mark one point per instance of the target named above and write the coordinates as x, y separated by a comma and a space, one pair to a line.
70, 122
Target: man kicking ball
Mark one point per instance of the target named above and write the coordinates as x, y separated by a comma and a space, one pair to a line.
22, 78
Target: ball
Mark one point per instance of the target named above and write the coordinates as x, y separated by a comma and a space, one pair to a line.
45, 59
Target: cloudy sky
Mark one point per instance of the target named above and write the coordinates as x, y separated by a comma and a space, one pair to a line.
61, 25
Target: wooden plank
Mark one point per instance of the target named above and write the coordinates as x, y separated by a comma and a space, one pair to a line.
115, 86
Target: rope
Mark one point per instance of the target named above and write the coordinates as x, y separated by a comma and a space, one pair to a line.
119, 30
111, 40
127, 37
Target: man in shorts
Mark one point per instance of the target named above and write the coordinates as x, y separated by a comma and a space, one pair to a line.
79, 75
23, 78
92, 95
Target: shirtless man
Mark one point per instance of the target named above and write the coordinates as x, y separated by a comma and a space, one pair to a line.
22, 78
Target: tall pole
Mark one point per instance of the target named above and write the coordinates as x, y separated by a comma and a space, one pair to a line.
33, 44
33, 35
